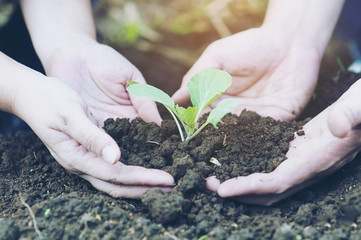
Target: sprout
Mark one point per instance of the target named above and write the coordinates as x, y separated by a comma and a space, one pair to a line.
204, 88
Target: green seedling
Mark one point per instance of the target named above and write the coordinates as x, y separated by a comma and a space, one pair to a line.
204, 88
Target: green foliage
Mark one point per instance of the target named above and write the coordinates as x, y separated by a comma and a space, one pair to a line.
126, 33
204, 88
191, 21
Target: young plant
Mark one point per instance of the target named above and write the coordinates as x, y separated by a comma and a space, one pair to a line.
204, 88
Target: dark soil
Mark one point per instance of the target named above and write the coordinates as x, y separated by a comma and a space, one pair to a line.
67, 207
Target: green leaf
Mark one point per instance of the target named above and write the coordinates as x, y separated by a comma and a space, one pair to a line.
225, 106
188, 117
208, 85
204, 88
150, 92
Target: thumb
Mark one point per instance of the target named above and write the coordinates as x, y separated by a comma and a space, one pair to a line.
146, 109
94, 139
181, 96
345, 114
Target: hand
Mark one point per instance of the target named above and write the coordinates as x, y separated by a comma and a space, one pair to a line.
331, 140
99, 75
64, 123
274, 76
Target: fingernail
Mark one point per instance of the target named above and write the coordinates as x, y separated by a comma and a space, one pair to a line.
109, 155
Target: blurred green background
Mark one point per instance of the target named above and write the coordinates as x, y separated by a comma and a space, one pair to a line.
170, 32
162, 38
180, 30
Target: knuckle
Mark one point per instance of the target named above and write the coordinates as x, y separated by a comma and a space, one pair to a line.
94, 142
349, 112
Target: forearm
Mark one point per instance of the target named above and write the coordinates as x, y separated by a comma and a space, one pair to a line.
12, 80
57, 23
303, 22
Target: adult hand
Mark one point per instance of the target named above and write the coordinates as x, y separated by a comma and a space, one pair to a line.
331, 140
99, 74
64, 123
63, 35
274, 76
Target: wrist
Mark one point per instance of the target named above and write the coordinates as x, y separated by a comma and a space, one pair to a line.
66, 52
14, 80
303, 23
55, 24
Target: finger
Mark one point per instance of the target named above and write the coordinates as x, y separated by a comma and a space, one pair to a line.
135, 175
345, 114
181, 96
94, 139
146, 109
260, 192
91, 150
116, 190
289, 177
213, 184
80, 161
257, 183
126, 175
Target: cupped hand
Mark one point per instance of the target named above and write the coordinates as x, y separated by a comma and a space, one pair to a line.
331, 140
99, 74
62, 120
274, 76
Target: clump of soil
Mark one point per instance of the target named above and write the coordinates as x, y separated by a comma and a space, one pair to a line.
67, 207
234, 145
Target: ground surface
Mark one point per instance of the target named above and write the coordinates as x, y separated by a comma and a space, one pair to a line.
67, 207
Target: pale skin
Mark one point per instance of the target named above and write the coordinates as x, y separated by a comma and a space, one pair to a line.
337, 138
62, 120
85, 85
274, 69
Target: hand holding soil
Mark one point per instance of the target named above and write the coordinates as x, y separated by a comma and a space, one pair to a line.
326, 143
97, 75
274, 69
67, 128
